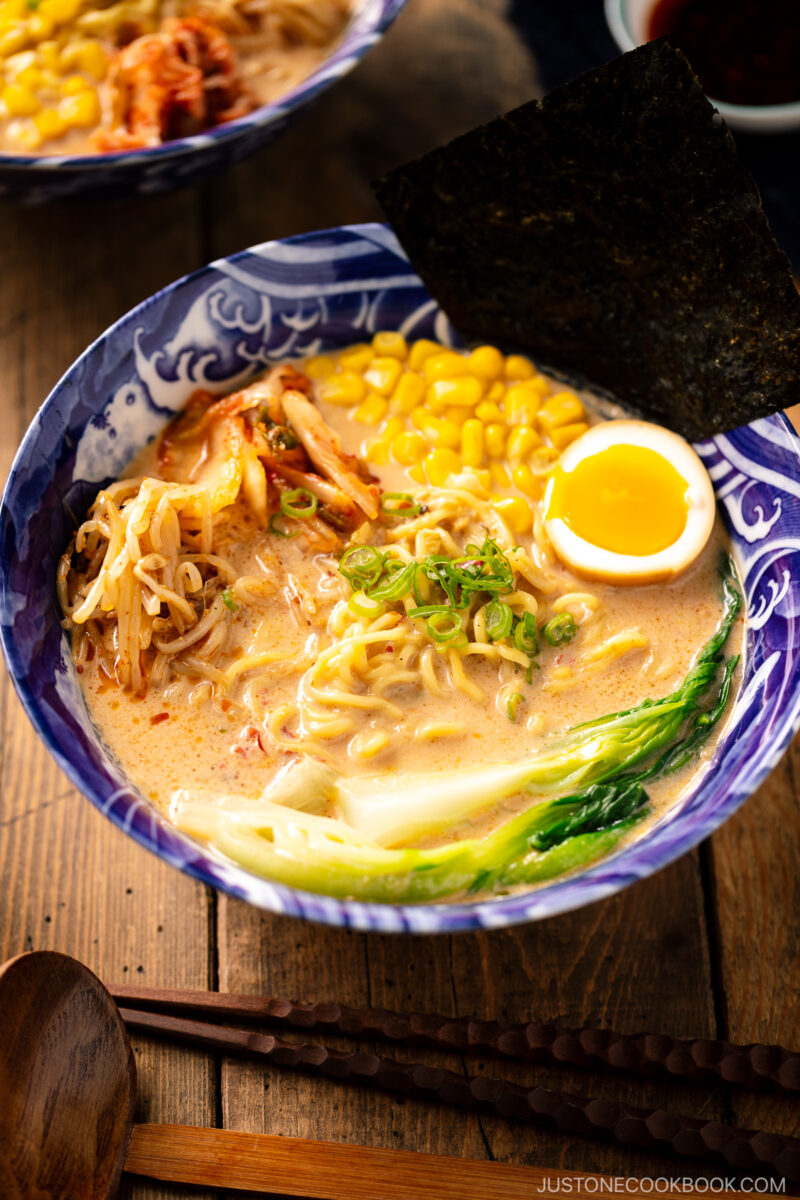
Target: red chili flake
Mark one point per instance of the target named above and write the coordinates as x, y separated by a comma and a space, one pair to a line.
390, 648
79, 669
90, 652
159, 717
224, 705
254, 735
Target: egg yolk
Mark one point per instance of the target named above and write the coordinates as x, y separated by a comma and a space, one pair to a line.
627, 499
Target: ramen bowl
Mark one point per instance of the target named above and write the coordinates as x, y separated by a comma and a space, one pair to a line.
37, 179
216, 329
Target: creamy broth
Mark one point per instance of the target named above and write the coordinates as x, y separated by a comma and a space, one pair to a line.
223, 732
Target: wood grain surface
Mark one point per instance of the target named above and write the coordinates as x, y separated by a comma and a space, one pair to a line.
708, 946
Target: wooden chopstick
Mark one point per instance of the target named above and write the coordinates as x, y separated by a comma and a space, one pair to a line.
653, 1129
698, 1060
289, 1166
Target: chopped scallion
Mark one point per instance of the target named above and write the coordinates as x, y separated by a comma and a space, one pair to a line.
299, 503
399, 504
525, 635
228, 600
560, 629
274, 527
499, 619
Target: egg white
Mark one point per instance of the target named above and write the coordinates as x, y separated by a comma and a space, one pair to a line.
593, 562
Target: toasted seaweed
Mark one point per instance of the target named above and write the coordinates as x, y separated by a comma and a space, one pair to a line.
610, 232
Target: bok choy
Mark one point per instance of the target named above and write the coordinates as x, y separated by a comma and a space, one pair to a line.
601, 765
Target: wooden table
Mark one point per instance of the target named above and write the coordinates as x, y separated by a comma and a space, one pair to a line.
709, 946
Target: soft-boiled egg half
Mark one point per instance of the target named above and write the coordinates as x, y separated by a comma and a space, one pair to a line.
629, 503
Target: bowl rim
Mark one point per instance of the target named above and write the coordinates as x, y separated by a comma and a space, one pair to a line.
627, 864
754, 114
346, 53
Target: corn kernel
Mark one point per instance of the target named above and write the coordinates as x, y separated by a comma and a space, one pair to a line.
496, 393
320, 366
459, 415
417, 474
440, 464
495, 440
382, 374
521, 404
445, 365
40, 26
81, 111
409, 448
500, 475
61, 11
521, 441
465, 391
377, 452
486, 362
420, 351
391, 345
516, 513
73, 85
393, 427
562, 409
49, 123
489, 413
356, 358
566, 434
25, 134
420, 416
93, 59
518, 367
372, 410
408, 393
442, 433
346, 388
20, 101
527, 482
30, 77
539, 385
49, 57
472, 443
12, 41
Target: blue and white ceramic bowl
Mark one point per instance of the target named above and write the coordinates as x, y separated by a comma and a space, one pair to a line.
32, 179
215, 329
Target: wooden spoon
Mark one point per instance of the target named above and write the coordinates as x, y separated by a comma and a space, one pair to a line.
67, 1093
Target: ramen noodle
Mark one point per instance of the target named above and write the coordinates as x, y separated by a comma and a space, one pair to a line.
321, 623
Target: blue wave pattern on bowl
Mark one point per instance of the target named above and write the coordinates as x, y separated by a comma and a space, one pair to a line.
37, 180
215, 329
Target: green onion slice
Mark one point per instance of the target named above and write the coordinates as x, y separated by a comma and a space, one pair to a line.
362, 566
299, 503
499, 620
560, 629
445, 627
525, 635
274, 527
512, 705
399, 504
228, 600
398, 583
364, 606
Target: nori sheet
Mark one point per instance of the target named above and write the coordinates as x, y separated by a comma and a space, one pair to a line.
610, 232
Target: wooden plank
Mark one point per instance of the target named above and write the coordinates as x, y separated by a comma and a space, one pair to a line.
757, 898
68, 879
